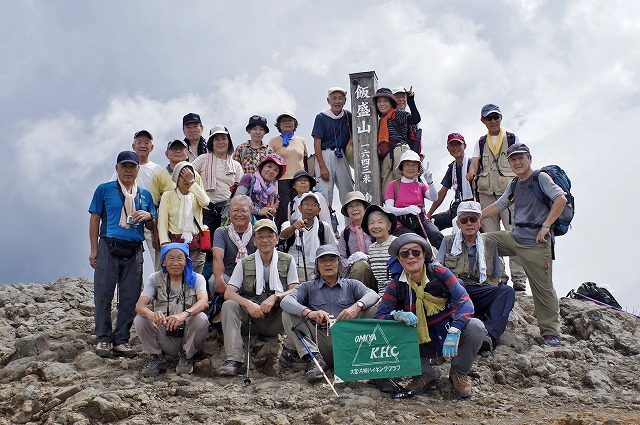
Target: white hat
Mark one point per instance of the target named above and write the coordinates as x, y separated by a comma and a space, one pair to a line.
409, 156
308, 194
218, 129
470, 207
340, 89
398, 90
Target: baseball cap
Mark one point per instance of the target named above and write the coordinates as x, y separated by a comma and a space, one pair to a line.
455, 136
182, 143
309, 194
340, 89
490, 108
265, 223
191, 117
143, 133
398, 90
470, 207
128, 156
517, 148
329, 249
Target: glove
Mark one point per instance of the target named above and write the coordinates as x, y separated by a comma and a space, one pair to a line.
356, 256
427, 175
407, 317
412, 209
450, 346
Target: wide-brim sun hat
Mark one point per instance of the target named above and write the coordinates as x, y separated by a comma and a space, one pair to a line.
385, 92
286, 113
408, 238
377, 208
302, 174
409, 156
275, 158
356, 195
178, 168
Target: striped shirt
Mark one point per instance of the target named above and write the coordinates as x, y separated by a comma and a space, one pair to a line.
378, 257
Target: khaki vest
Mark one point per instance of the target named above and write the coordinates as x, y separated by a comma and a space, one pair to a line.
459, 264
174, 302
496, 172
249, 273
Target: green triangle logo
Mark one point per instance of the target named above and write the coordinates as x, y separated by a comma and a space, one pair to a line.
374, 349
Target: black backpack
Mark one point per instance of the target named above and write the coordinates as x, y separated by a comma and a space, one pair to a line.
591, 291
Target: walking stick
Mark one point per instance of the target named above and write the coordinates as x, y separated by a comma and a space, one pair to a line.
247, 381
300, 336
304, 257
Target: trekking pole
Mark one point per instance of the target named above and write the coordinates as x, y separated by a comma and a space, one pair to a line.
300, 336
247, 381
601, 303
304, 257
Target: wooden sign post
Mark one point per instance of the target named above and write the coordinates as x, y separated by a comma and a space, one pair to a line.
365, 135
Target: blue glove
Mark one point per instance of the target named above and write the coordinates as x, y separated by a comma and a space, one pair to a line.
450, 346
407, 317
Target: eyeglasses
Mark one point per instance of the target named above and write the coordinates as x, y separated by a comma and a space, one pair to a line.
492, 117
240, 210
471, 218
406, 253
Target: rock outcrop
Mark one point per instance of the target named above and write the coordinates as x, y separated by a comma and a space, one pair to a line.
49, 374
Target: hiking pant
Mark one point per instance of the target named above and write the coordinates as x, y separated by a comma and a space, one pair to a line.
361, 270
496, 302
470, 342
537, 263
420, 225
388, 172
234, 317
318, 337
127, 274
492, 224
339, 176
155, 341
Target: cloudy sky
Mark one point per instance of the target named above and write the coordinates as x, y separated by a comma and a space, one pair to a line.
79, 78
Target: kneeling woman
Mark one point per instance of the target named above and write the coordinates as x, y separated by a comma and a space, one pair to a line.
180, 213
177, 325
261, 186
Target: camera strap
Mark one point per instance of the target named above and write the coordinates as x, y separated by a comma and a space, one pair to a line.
184, 305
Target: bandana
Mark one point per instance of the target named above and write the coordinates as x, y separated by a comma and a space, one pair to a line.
263, 191
426, 305
286, 137
189, 274
456, 249
240, 243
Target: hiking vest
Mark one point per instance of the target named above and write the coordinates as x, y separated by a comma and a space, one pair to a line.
249, 273
175, 303
496, 172
459, 264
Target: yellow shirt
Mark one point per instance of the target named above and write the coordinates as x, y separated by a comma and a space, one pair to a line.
162, 182
293, 154
168, 213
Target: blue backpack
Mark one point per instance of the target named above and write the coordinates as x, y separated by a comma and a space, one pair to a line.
559, 177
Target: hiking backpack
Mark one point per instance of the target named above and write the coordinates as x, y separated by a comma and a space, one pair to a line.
559, 177
589, 290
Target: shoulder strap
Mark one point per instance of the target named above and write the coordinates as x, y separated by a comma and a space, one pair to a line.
347, 233
396, 186
537, 190
321, 232
244, 151
481, 143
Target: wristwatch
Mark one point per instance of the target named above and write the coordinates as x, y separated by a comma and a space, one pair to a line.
188, 313
360, 304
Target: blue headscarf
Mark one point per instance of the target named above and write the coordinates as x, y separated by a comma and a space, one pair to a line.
189, 274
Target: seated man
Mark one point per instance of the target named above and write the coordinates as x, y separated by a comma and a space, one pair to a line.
177, 325
428, 295
474, 260
258, 283
231, 243
310, 233
328, 296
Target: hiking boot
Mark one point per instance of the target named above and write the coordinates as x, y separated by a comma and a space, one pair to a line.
230, 368
185, 365
420, 384
156, 365
103, 349
520, 286
385, 385
551, 340
290, 358
314, 373
124, 350
461, 383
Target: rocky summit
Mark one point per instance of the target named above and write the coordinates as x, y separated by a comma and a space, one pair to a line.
49, 374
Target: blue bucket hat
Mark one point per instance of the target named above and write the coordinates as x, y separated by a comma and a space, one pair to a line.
189, 274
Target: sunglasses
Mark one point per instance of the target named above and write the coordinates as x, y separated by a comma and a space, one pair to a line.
415, 252
492, 117
471, 218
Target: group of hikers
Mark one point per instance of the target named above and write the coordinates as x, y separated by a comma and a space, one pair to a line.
252, 227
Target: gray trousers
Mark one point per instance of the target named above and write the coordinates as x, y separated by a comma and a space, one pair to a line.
339, 176
235, 317
470, 342
155, 341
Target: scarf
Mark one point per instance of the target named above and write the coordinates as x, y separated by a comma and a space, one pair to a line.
330, 114
286, 137
310, 239
129, 205
209, 180
359, 237
456, 249
274, 278
383, 129
241, 244
426, 305
189, 274
185, 216
495, 147
262, 190
466, 186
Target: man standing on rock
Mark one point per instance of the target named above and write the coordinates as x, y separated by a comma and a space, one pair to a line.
530, 238
119, 212
253, 294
